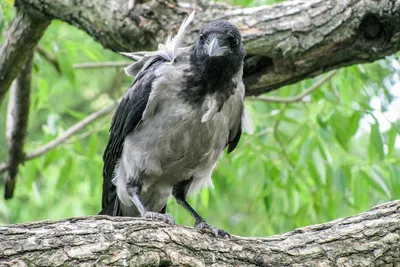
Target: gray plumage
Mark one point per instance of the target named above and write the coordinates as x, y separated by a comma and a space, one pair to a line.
174, 122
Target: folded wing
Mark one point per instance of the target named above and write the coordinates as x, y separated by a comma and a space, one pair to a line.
127, 116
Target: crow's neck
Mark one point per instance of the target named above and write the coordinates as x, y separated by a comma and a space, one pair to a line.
209, 77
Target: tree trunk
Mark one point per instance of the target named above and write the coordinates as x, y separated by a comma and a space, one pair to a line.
368, 239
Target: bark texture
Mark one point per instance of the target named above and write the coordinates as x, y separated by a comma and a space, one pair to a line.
21, 38
368, 239
17, 124
285, 43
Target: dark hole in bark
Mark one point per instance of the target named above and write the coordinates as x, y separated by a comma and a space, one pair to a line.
371, 27
165, 263
256, 64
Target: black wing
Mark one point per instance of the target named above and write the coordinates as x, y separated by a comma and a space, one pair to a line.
127, 116
234, 140
235, 133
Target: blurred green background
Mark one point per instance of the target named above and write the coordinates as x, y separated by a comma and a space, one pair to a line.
332, 155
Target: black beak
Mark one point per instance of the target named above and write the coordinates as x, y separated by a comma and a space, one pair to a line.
216, 46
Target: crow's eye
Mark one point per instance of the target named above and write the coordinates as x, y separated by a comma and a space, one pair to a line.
234, 41
201, 36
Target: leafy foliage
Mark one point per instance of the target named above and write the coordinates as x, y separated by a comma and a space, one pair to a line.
331, 155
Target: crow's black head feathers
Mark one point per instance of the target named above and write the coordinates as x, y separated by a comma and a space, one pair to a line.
228, 41
215, 58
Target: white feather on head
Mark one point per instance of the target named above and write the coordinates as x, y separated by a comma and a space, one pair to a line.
168, 51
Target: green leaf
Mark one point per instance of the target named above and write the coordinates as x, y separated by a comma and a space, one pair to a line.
67, 69
2, 22
91, 54
375, 148
361, 192
394, 173
375, 180
321, 122
76, 114
92, 146
267, 198
338, 123
353, 123
391, 140
65, 173
340, 177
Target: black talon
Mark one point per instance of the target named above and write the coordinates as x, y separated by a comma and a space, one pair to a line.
202, 226
159, 216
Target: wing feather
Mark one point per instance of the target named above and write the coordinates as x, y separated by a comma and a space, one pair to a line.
127, 116
234, 138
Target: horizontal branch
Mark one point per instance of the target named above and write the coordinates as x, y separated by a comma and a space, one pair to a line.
65, 135
297, 98
368, 239
285, 43
86, 65
104, 64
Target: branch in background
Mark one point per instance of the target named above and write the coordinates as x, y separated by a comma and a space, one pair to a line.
367, 239
87, 133
17, 123
286, 101
105, 64
336, 92
279, 139
21, 38
86, 65
46, 55
71, 131
285, 42
297, 98
110, 90
65, 135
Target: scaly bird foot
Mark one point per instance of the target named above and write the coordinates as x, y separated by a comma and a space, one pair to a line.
159, 216
205, 227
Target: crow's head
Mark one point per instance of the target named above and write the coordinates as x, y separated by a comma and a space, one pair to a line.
219, 48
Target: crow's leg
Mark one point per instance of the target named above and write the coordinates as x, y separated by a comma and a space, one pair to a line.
134, 188
180, 192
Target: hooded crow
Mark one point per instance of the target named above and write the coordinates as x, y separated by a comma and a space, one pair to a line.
184, 107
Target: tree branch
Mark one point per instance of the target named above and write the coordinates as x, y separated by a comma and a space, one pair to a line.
279, 139
17, 123
64, 136
46, 55
297, 98
285, 42
104, 64
367, 239
21, 37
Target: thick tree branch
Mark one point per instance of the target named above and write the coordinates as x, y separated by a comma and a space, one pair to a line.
285, 43
17, 123
368, 239
22, 36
